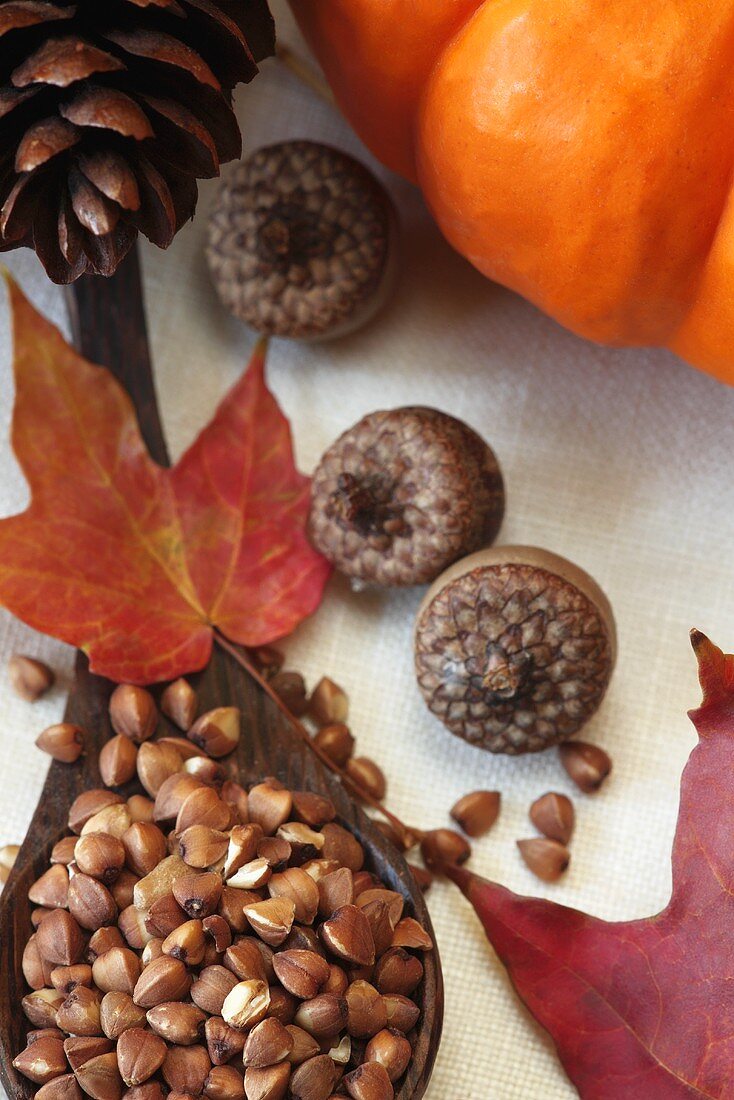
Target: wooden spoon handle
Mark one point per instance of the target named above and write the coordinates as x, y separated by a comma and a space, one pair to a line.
108, 326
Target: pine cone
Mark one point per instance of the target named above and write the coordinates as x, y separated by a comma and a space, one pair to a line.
110, 110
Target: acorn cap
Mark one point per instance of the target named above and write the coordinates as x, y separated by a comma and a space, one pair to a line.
514, 648
301, 241
404, 493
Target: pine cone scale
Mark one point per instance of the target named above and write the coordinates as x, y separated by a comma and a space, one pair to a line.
94, 212
166, 50
108, 109
255, 22
105, 253
10, 98
157, 218
183, 140
63, 62
110, 114
19, 14
221, 123
232, 44
59, 254
169, 5
43, 141
15, 212
113, 177
70, 236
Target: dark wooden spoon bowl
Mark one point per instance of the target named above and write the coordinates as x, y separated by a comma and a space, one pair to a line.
109, 324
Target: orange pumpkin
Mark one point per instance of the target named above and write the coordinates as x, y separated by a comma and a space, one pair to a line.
579, 152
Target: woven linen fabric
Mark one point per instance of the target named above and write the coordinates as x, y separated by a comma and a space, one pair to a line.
620, 460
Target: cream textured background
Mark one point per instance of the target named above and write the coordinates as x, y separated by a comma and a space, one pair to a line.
620, 460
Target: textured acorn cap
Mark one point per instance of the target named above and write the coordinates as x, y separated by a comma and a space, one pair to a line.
404, 493
514, 648
301, 241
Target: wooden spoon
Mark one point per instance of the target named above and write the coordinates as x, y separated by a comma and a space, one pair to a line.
109, 325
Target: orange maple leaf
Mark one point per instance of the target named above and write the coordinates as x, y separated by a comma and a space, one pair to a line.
134, 563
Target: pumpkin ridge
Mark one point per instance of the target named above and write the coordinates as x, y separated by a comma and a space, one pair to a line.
593, 176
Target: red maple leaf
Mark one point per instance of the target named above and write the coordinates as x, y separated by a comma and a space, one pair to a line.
137, 564
642, 1010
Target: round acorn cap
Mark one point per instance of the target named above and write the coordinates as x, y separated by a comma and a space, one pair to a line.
514, 648
302, 241
402, 494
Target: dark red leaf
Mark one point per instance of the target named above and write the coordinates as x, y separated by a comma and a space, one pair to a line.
642, 1010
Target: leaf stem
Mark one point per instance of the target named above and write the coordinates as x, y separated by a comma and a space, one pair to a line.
408, 836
